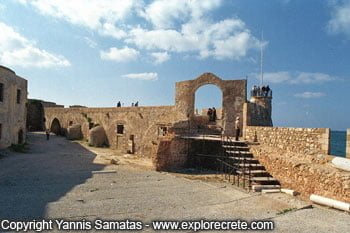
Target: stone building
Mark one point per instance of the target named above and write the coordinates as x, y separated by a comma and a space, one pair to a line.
35, 114
138, 129
13, 99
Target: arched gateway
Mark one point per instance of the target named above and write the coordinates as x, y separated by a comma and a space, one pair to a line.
234, 95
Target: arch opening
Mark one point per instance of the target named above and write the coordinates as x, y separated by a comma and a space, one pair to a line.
208, 106
56, 127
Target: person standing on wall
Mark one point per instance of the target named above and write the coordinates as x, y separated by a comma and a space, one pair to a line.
210, 114
214, 114
237, 128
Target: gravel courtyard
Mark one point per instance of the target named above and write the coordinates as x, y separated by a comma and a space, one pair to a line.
63, 179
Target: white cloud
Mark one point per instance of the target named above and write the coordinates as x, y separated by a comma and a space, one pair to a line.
310, 95
340, 21
125, 54
309, 78
225, 39
181, 26
99, 15
160, 57
142, 76
296, 77
16, 50
164, 14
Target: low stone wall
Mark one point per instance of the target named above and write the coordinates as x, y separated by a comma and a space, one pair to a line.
348, 143
308, 141
307, 174
170, 153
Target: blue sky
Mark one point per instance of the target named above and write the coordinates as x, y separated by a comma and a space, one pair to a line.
96, 52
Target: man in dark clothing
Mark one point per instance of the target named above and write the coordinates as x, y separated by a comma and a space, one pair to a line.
267, 90
119, 104
263, 90
210, 114
214, 114
137, 104
47, 134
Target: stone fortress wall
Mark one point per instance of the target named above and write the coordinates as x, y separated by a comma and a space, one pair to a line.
145, 125
299, 158
310, 141
12, 108
137, 125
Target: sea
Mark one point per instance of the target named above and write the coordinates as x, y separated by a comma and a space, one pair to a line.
338, 143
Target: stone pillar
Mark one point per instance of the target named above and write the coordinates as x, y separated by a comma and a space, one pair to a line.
348, 144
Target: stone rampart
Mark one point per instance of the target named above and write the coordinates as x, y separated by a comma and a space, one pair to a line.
138, 126
307, 174
308, 141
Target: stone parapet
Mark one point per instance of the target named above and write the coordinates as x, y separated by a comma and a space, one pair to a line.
308, 141
307, 174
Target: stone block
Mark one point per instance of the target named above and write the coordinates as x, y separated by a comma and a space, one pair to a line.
98, 137
74, 132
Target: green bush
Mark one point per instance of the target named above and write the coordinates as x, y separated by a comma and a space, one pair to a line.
21, 148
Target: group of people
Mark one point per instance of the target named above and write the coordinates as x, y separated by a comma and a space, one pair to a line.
136, 104
212, 114
263, 91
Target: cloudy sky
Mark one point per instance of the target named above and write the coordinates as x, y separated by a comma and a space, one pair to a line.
96, 52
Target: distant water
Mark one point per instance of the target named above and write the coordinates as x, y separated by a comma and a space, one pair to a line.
338, 143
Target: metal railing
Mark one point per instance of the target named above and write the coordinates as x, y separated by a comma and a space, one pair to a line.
230, 161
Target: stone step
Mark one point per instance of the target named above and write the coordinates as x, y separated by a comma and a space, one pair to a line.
259, 187
263, 178
238, 152
252, 165
250, 160
253, 172
234, 143
241, 148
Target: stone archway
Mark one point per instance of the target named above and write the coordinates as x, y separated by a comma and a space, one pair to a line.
234, 95
208, 96
55, 127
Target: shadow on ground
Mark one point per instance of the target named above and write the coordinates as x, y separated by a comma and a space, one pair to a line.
29, 181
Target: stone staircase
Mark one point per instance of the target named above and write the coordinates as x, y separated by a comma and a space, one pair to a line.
247, 167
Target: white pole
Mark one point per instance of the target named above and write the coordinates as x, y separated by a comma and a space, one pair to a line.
330, 202
261, 58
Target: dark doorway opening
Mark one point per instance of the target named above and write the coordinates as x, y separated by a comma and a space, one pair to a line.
56, 127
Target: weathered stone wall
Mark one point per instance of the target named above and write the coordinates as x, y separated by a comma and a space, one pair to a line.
170, 153
140, 123
308, 141
307, 174
234, 95
35, 115
258, 112
12, 114
348, 143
